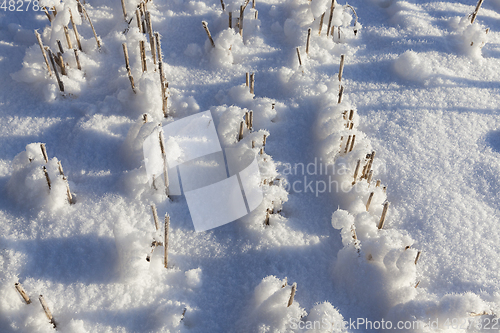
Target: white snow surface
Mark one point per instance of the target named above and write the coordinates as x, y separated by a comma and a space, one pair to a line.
422, 85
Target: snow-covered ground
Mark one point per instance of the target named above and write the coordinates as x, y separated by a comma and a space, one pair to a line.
423, 84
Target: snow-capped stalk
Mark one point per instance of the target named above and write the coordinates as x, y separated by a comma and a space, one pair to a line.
44, 152
39, 39
369, 201
292, 294
73, 25
382, 217
230, 20
155, 216
352, 142
353, 232
143, 56
91, 25
240, 132
165, 166
417, 257
158, 46
165, 243
252, 83
240, 22
68, 39
124, 10
205, 26
356, 172
341, 92
151, 36
332, 6
21, 292
308, 42
321, 23
298, 55
479, 3
341, 68
164, 96
46, 310
77, 58
61, 85
222, 5
127, 66
264, 140
138, 19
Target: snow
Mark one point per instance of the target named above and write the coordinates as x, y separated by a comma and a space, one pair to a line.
421, 83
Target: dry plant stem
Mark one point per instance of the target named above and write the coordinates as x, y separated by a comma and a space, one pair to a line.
351, 114
230, 20
68, 39
127, 65
370, 163
165, 243
256, 14
347, 144
39, 39
47, 13
378, 183
264, 140
59, 166
251, 120
44, 152
143, 14
46, 310
77, 58
155, 216
253, 3
308, 42
205, 26
292, 294
61, 62
479, 3
247, 119
165, 166
240, 22
341, 92
266, 221
158, 46
151, 36
143, 56
68, 191
60, 83
417, 257
253, 144
356, 172
382, 218
321, 24
369, 201
91, 26
369, 178
138, 19
332, 6
73, 25
54, 10
352, 142
23, 294
124, 10
47, 177
252, 83
298, 55
59, 45
222, 5
240, 133
384, 189
341, 69
163, 90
